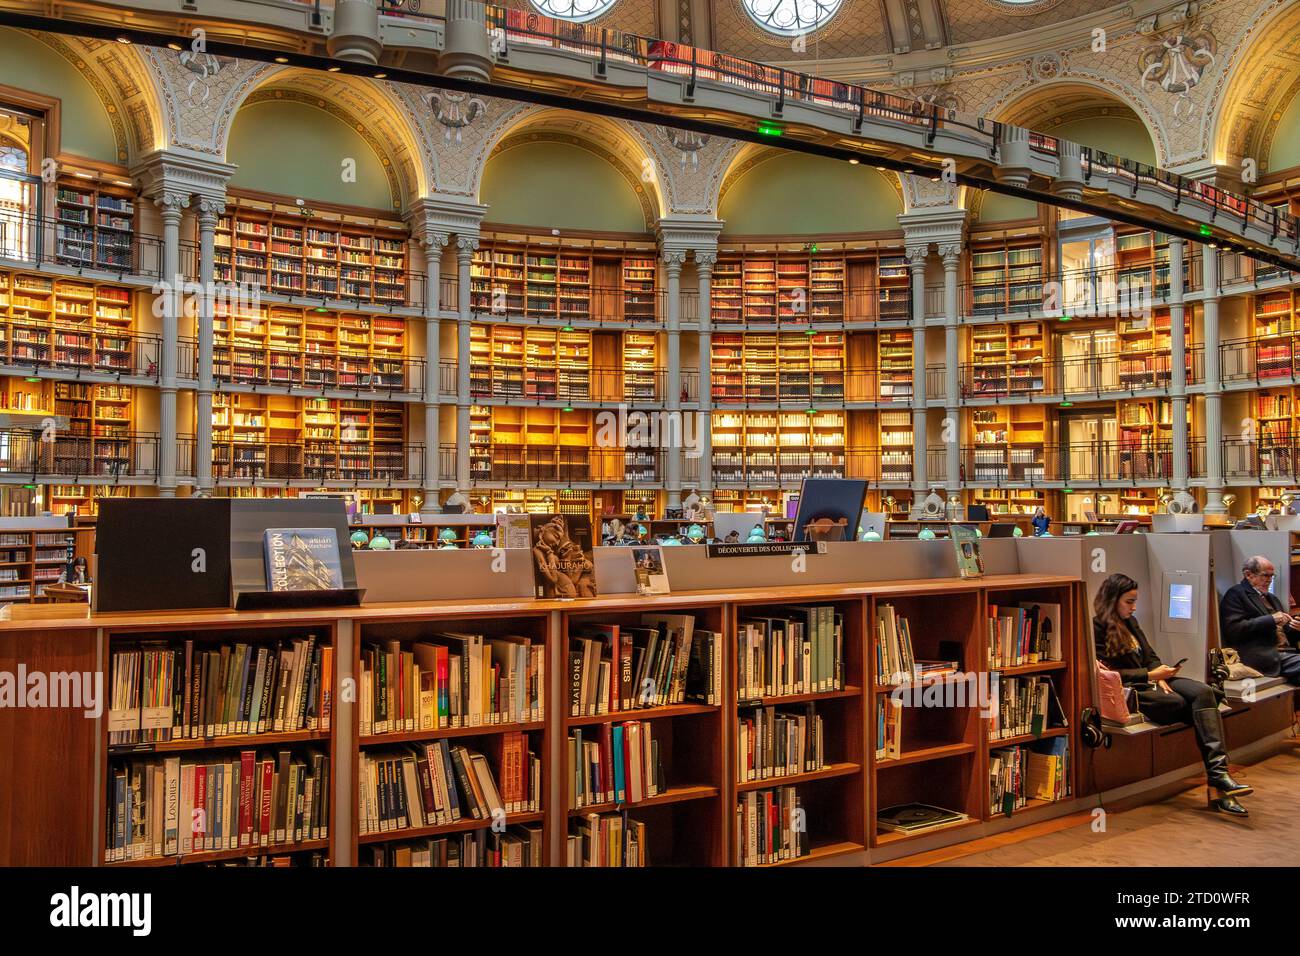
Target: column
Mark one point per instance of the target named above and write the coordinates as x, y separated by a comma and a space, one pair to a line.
434, 243
210, 210
672, 450
704, 263
1213, 386
466, 246
916, 255
952, 356
1178, 365
171, 205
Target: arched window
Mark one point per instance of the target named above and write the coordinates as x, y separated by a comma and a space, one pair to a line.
790, 18
576, 11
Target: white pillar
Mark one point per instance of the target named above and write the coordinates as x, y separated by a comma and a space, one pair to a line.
466, 246
1213, 386
952, 356
673, 260
704, 263
1178, 365
916, 256
434, 243
210, 210
171, 205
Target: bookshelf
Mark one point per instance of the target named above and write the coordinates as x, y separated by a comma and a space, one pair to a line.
95, 225
320, 255
1273, 333
309, 347
202, 742
569, 283
1011, 501
33, 558
1276, 431
1144, 347
797, 286
778, 447
1006, 276
784, 367
640, 375
1145, 443
894, 366
895, 443
73, 323
1142, 262
522, 442
1006, 360
1008, 444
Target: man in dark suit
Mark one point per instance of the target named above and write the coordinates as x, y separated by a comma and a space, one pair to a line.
1255, 622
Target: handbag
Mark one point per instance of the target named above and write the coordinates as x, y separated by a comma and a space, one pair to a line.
1235, 667
1113, 701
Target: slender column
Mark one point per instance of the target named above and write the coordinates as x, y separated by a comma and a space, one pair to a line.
673, 260
704, 263
916, 256
172, 205
1178, 364
466, 246
1213, 385
434, 243
951, 253
210, 210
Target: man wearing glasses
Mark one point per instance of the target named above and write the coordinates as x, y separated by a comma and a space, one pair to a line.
1255, 622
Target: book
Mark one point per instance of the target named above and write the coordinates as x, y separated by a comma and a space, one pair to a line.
513, 531
917, 817
648, 565
966, 544
563, 563
302, 559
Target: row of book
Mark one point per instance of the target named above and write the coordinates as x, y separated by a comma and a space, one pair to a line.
662, 662
1025, 634
606, 839
889, 728
895, 660
173, 807
774, 742
451, 680
799, 652
1037, 771
1025, 705
618, 763
162, 692
770, 827
440, 783
517, 846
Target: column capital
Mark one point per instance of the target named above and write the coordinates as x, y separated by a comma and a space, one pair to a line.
951, 254
466, 246
674, 259
705, 260
916, 255
210, 208
171, 203
434, 242
179, 171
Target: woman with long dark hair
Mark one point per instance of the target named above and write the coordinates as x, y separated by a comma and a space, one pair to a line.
1164, 697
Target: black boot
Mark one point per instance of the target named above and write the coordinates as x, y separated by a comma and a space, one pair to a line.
1226, 804
1209, 732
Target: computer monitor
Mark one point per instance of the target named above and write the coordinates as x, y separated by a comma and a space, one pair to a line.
1002, 529
835, 501
977, 513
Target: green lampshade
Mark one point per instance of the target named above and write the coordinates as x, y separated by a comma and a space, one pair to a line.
447, 536
979, 533
1091, 533
695, 533
380, 543
360, 539
1016, 532
926, 535
872, 535
756, 537
671, 540
482, 539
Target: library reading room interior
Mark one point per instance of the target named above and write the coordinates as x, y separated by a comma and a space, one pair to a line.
716, 433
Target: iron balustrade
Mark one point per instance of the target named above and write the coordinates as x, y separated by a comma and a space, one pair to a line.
39, 452
244, 365
1265, 459
1271, 360
34, 241
319, 461
34, 345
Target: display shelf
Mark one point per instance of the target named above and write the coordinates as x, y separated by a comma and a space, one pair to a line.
1006, 276
95, 225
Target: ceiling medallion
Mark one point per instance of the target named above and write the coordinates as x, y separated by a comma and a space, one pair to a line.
455, 111
688, 143
1047, 66
1021, 7
1176, 63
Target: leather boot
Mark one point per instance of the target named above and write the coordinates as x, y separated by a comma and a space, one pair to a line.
1226, 804
1209, 733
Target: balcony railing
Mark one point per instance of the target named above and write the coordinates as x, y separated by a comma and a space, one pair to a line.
1273, 359
316, 370
35, 241
125, 454
1266, 460
317, 461
1095, 374
33, 345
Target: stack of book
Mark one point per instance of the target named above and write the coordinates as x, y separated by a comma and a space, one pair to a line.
895, 662
799, 652
1025, 705
663, 662
889, 728
518, 846
607, 839
770, 827
618, 763
777, 742
1026, 634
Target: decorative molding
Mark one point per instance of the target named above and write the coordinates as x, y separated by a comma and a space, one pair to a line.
171, 171
684, 235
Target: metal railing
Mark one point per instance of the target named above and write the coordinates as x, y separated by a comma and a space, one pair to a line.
553, 383
562, 464
316, 370
37, 240
1265, 460
29, 344
123, 454
319, 461
1270, 360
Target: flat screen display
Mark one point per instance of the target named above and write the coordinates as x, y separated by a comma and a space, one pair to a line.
1180, 602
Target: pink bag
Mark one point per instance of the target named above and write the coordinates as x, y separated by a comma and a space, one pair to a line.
1113, 702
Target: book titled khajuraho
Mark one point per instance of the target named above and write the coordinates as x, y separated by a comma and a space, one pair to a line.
302, 559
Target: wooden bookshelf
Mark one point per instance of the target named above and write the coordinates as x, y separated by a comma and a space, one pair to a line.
1008, 444
73, 323
1273, 333
1011, 501
1144, 347
1142, 261
95, 225
894, 366
317, 254
1006, 276
772, 367
640, 366
895, 443
799, 285
1006, 360
130, 754
32, 558
1146, 438
524, 442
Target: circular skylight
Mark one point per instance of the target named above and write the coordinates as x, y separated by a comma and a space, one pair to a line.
790, 18
576, 11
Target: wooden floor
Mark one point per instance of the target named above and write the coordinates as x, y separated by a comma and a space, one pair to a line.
1177, 831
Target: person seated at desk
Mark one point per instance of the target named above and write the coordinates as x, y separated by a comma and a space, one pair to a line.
1163, 696
1040, 522
1253, 620
76, 572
